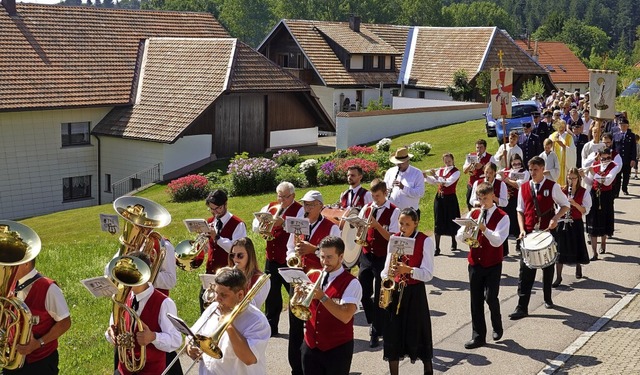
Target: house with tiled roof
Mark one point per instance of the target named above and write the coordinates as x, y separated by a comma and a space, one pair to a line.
348, 64
94, 100
434, 54
564, 67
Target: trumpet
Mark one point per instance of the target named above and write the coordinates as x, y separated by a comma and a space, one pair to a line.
266, 225
188, 252
303, 296
210, 344
361, 232
18, 244
471, 233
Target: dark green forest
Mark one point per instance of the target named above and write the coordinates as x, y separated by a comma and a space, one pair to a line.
605, 34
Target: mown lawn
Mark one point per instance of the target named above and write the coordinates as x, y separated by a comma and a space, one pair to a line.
74, 248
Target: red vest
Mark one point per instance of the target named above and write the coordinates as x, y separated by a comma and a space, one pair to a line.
486, 255
322, 230
545, 204
451, 189
35, 301
277, 248
358, 201
217, 257
497, 186
377, 244
578, 197
511, 191
413, 260
332, 333
598, 171
476, 173
156, 359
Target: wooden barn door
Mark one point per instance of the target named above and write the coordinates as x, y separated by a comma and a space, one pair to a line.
252, 123
227, 126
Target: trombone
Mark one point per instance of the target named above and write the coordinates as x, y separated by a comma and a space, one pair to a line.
209, 344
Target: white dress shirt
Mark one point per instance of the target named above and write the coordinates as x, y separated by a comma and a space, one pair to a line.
413, 182
54, 302
435, 180
255, 225
551, 164
502, 198
252, 325
423, 273
291, 247
367, 196
353, 292
556, 193
607, 180
394, 227
262, 294
502, 161
497, 236
169, 339
586, 202
239, 232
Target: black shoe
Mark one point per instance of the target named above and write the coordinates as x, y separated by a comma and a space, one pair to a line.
437, 252
549, 305
497, 335
274, 334
374, 342
472, 344
602, 250
454, 246
557, 282
594, 258
626, 192
518, 314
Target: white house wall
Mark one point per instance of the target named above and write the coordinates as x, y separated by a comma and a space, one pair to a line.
428, 94
330, 97
186, 151
33, 161
325, 95
293, 137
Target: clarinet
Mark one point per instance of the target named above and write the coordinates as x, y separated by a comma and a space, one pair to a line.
391, 187
567, 216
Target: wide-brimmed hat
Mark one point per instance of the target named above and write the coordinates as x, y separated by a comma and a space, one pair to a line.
402, 155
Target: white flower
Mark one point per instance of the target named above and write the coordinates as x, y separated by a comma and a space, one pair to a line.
309, 163
384, 144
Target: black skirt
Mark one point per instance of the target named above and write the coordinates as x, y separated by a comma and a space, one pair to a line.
409, 332
600, 217
572, 247
445, 209
514, 228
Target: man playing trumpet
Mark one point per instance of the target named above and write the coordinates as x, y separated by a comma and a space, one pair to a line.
244, 343
306, 249
383, 218
276, 250
328, 338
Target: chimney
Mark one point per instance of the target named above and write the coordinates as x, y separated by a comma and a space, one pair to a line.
354, 23
535, 51
10, 6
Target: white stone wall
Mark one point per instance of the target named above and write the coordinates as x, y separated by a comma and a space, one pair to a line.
293, 137
33, 162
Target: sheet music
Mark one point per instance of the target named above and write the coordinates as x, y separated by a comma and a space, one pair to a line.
299, 225
401, 244
464, 222
180, 325
472, 159
109, 223
294, 275
196, 225
100, 286
207, 279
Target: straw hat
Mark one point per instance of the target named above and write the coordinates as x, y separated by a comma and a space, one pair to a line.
401, 155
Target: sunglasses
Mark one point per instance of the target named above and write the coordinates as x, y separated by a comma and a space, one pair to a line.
236, 255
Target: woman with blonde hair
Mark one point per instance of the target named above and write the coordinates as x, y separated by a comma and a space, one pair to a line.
243, 256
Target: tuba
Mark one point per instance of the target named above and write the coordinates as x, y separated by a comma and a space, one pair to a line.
471, 233
18, 244
302, 297
142, 217
128, 271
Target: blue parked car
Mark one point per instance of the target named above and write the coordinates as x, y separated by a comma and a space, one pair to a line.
632, 90
521, 112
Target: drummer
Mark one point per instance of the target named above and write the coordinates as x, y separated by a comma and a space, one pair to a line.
535, 208
383, 217
356, 196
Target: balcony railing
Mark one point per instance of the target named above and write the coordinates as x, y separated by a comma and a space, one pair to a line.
136, 181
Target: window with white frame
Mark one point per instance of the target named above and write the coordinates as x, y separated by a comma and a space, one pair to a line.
74, 188
75, 133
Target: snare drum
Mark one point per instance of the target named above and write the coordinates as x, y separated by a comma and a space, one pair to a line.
539, 249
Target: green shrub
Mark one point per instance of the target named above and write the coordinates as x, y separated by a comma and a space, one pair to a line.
293, 175
286, 157
310, 169
252, 175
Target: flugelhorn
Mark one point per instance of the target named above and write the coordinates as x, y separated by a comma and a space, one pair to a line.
188, 251
266, 225
361, 232
128, 271
303, 296
18, 244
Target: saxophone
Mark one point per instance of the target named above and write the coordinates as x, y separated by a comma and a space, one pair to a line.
388, 284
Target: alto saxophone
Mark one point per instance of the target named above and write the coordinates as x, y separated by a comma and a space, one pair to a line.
388, 284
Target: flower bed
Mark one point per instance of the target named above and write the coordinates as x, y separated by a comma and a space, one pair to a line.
286, 157
188, 188
252, 175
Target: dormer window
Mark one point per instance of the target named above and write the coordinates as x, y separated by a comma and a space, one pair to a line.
357, 62
376, 62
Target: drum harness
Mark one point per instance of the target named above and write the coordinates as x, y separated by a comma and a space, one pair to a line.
537, 206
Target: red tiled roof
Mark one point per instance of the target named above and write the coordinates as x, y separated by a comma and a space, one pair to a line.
309, 36
568, 67
180, 79
59, 56
438, 52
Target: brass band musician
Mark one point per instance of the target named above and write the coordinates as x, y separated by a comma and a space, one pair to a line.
476, 169
356, 196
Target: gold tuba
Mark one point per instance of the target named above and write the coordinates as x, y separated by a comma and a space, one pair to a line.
18, 244
141, 217
303, 296
471, 233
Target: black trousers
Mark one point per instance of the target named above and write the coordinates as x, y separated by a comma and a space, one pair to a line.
369, 277
525, 283
625, 172
296, 337
336, 361
273, 303
484, 286
45, 366
469, 189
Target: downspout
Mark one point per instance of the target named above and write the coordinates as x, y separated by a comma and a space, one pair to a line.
99, 172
